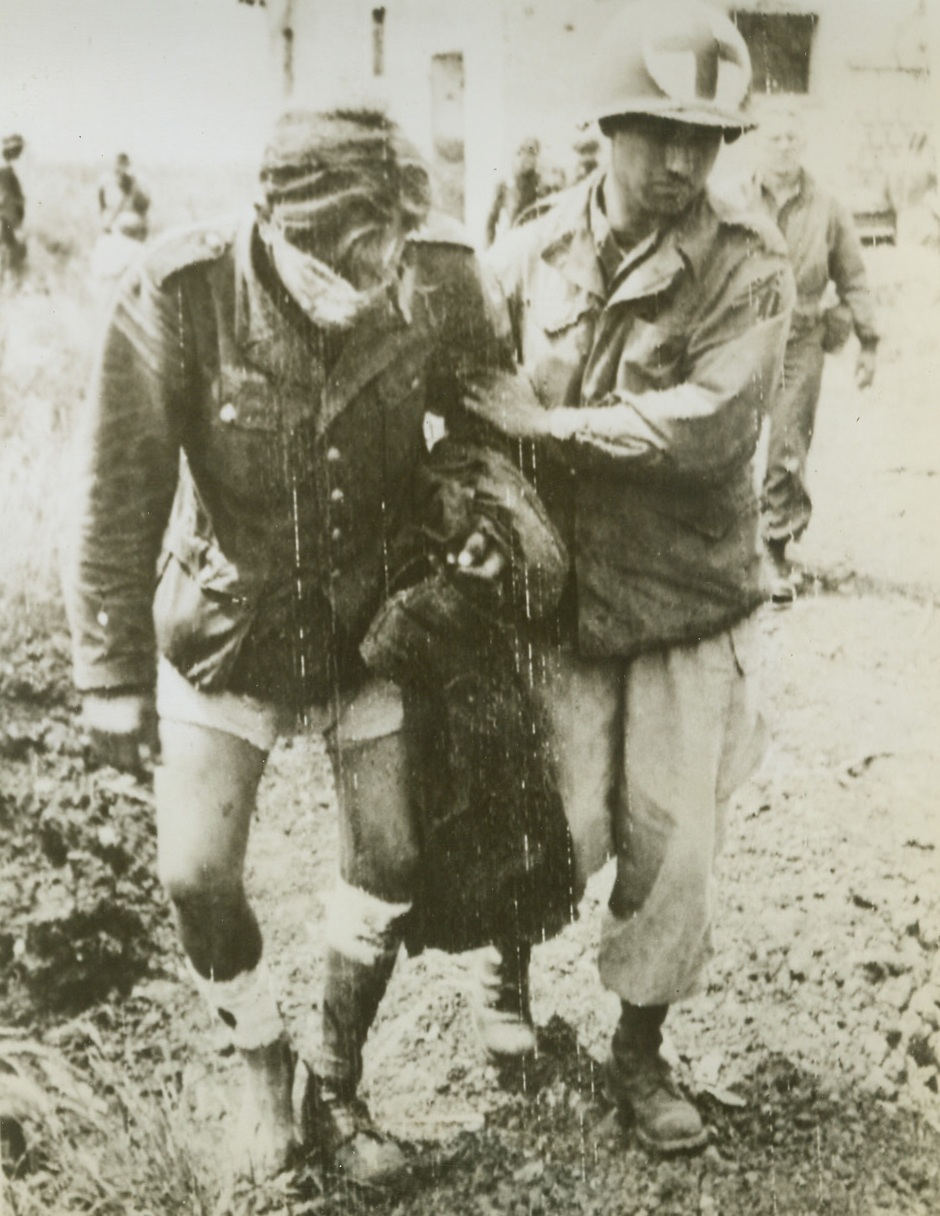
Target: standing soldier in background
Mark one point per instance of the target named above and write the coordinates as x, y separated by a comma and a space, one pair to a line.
123, 203
123, 209
252, 447
651, 322
12, 210
824, 249
518, 194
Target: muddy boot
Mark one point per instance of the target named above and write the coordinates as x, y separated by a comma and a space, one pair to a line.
336, 1122
641, 1082
263, 1142
782, 581
500, 1001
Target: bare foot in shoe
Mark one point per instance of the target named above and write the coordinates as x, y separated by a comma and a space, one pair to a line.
264, 1142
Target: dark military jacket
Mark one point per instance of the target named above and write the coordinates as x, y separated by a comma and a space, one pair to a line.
671, 353
243, 477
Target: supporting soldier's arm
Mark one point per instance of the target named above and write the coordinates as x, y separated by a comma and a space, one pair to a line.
696, 429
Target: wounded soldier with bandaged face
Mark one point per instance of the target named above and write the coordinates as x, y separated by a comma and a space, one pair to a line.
252, 456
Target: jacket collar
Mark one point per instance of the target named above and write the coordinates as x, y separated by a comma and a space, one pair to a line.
571, 248
282, 343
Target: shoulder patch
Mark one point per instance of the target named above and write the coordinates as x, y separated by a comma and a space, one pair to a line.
442, 229
184, 247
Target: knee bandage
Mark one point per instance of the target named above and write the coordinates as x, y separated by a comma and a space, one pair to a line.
246, 1005
361, 926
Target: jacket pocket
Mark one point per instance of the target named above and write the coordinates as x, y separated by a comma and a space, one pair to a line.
200, 620
709, 513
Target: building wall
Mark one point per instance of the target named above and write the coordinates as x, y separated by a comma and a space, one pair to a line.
527, 68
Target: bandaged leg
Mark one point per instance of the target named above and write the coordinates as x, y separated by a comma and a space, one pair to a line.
363, 934
363, 937
247, 1007
365, 914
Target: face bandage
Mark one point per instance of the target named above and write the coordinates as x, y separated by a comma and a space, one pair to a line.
329, 300
361, 926
246, 1005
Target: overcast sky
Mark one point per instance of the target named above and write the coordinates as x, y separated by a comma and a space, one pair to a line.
164, 79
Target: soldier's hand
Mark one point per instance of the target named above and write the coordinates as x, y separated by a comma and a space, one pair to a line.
480, 558
122, 729
865, 367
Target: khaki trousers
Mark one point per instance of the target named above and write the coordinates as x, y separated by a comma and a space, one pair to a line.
649, 753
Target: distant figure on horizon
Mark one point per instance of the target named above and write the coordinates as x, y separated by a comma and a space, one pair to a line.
123, 208
12, 210
123, 203
517, 194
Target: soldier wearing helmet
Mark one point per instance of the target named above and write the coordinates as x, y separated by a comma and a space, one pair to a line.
651, 323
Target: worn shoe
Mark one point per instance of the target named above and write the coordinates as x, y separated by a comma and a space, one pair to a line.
500, 1004
643, 1084
263, 1142
340, 1128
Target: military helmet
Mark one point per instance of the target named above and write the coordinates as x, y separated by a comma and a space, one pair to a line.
677, 59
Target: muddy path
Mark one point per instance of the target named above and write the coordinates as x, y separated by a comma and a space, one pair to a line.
814, 1052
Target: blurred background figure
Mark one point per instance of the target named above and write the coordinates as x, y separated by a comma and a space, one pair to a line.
826, 255
587, 152
12, 212
913, 192
123, 208
519, 192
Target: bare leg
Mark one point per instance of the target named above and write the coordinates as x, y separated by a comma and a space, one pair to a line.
206, 787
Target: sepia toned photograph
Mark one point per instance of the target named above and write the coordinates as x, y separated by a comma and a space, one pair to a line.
469, 650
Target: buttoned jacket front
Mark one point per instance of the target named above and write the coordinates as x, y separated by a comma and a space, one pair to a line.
242, 484
673, 360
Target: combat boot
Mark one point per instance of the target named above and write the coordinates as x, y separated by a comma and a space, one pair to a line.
338, 1123
335, 1120
500, 1001
641, 1082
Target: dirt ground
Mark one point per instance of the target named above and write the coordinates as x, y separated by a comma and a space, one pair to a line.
814, 1052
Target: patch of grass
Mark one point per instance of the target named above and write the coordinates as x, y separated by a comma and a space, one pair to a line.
99, 1145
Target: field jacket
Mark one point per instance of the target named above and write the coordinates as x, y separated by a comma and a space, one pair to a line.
243, 477
824, 248
678, 346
